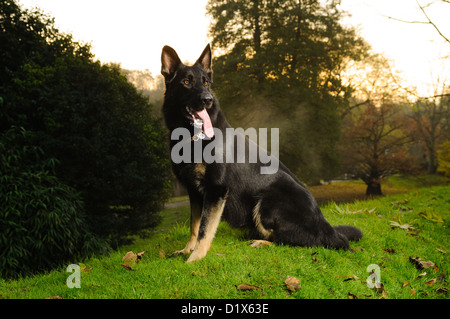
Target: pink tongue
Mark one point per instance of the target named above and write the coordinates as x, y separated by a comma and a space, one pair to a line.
207, 126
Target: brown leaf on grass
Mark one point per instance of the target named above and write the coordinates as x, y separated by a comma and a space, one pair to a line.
406, 283
128, 267
245, 287
54, 297
401, 226
389, 250
413, 292
432, 216
139, 256
161, 252
414, 233
353, 277
421, 264
352, 296
292, 283
421, 275
86, 269
129, 257
260, 243
431, 282
442, 291
379, 287
441, 277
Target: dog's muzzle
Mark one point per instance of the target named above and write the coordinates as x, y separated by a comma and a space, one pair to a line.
207, 100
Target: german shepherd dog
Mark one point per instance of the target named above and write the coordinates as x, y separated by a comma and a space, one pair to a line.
275, 207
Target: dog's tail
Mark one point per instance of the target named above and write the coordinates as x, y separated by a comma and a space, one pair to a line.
350, 232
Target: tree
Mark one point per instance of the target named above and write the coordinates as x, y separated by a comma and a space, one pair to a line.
444, 159
432, 119
281, 67
106, 144
375, 144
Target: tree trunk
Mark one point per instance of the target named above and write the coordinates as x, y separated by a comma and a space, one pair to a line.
432, 162
374, 187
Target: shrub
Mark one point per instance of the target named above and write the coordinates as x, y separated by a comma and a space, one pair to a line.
108, 146
41, 219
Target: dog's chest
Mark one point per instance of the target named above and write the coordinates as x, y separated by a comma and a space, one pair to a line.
193, 176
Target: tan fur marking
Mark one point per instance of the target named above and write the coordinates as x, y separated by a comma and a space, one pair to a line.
199, 170
195, 225
203, 246
267, 234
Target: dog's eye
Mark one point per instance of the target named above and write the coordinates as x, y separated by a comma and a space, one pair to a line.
187, 82
206, 83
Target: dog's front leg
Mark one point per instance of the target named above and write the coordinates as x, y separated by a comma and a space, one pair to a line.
213, 205
196, 213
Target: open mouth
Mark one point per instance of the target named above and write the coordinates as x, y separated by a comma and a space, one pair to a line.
201, 118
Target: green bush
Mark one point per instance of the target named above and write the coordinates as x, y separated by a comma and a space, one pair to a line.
108, 146
41, 219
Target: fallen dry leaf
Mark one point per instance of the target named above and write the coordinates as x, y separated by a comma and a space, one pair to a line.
352, 296
245, 287
406, 283
292, 283
128, 267
421, 275
431, 282
389, 250
379, 287
139, 256
401, 226
129, 257
421, 264
260, 243
413, 291
432, 216
442, 291
161, 252
351, 278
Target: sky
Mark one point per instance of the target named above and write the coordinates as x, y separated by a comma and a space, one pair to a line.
133, 32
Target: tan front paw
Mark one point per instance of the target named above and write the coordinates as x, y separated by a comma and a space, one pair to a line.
196, 255
183, 251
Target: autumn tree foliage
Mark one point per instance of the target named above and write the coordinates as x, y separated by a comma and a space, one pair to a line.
375, 144
279, 64
432, 125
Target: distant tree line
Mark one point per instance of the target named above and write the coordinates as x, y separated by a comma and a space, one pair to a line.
83, 162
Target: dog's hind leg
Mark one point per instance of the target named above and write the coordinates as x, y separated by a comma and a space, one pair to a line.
213, 205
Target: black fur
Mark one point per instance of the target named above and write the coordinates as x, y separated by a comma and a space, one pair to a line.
287, 211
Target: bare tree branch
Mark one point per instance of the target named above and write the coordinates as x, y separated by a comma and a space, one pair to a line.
430, 22
422, 8
392, 18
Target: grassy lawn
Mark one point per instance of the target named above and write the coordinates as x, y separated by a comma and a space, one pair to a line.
397, 227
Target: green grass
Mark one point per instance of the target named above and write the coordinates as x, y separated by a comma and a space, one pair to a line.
323, 273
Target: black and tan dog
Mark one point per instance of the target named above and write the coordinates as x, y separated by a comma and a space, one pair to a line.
276, 207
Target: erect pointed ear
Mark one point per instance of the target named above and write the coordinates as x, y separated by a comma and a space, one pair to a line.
205, 60
169, 62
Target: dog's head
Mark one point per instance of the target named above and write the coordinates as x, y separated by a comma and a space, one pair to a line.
188, 87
